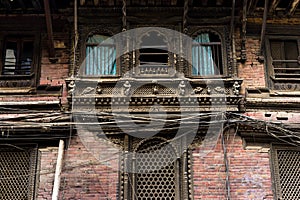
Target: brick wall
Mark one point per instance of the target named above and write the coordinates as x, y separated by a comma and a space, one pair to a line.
252, 71
55, 73
48, 158
85, 177
249, 172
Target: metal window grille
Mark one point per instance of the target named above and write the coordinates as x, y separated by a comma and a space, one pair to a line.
17, 173
287, 169
155, 179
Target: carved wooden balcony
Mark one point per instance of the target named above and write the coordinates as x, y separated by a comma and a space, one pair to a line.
140, 94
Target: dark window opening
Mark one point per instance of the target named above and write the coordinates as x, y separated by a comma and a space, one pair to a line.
154, 50
18, 57
207, 55
153, 57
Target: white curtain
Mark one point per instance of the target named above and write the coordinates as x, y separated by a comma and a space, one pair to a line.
100, 57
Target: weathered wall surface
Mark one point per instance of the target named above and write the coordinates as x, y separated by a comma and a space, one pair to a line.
249, 172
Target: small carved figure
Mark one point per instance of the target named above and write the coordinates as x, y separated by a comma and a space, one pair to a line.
155, 90
127, 88
71, 88
208, 90
98, 89
236, 88
182, 88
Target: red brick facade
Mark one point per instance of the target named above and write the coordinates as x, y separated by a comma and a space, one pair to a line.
248, 174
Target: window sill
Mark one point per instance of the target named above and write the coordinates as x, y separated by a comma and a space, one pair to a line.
276, 93
27, 90
16, 77
285, 79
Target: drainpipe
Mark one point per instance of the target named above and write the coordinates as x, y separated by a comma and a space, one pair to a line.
59, 163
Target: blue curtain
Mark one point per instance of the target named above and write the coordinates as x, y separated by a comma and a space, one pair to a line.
100, 57
202, 56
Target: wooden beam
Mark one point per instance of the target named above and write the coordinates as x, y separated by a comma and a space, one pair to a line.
263, 28
274, 5
49, 28
124, 15
292, 7
252, 6
244, 28
232, 18
185, 12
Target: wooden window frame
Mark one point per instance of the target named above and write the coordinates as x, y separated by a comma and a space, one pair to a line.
83, 69
210, 44
272, 80
21, 80
161, 70
220, 32
182, 170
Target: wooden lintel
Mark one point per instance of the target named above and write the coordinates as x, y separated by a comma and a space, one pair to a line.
292, 7
49, 28
274, 5
263, 28
232, 19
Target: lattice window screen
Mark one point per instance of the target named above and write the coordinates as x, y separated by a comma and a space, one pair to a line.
287, 165
156, 169
17, 173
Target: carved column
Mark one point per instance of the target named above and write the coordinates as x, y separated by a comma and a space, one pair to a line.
185, 186
126, 167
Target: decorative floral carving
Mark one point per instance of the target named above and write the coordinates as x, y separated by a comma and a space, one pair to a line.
220, 90
197, 90
88, 90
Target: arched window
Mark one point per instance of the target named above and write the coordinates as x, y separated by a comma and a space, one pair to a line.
154, 54
100, 56
207, 55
